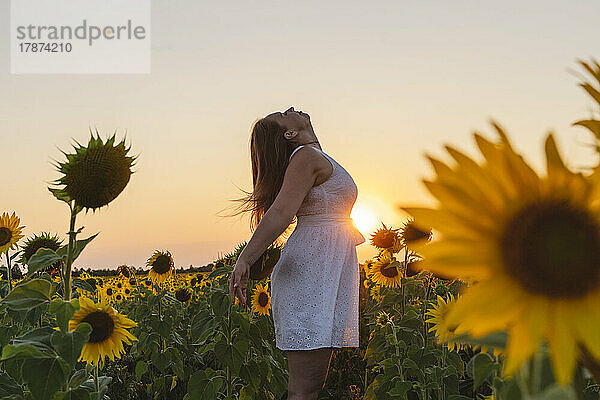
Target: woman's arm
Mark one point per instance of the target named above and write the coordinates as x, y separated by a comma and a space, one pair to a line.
299, 178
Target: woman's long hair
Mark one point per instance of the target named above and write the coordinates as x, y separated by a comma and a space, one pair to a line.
269, 155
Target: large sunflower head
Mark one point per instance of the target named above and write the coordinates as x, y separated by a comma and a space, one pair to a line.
94, 175
10, 231
441, 329
531, 244
261, 300
384, 238
385, 271
265, 263
109, 331
411, 234
43, 241
161, 266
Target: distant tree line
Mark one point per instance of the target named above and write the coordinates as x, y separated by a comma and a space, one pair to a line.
19, 271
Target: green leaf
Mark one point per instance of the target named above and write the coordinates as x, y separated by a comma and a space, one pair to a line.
482, 367
140, 369
218, 272
45, 376
78, 248
73, 394
219, 302
556, 392
455, 360
69, 344
39, 338
161, 360
63, 311
240, 319
28, 295
60, 194
83, 285
9, 387
231, 356
23, 351
42, 258
400, 389
497, 340
204, 385
80, 376
203, 326
103, 384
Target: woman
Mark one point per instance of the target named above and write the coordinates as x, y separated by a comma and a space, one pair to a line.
315, 283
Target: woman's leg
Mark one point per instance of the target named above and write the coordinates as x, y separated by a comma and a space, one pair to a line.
308, 372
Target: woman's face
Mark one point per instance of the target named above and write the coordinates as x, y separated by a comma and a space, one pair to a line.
291, 119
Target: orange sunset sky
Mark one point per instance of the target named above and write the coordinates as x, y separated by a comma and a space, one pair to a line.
385, 82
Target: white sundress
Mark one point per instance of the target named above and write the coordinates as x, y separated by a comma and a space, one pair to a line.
315, 283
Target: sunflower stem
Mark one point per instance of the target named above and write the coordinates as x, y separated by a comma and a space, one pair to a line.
405, 270
8, 272
70, 248
96, 384
229, 342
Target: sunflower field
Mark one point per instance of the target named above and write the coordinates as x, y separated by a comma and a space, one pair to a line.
493, 293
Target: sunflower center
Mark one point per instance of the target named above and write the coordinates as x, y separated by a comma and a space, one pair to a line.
263, 299
389, 270
5, 235
553, 249
182, 295
162, 264
102, 326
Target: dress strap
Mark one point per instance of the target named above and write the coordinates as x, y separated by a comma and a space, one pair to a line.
295, 150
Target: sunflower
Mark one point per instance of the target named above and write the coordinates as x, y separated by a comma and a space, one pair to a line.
10, 231
411, 234
147, 283
92, 282
261, 300
412, 267
531, 244
184, 295
120, 284
385, 271
263, 267
124, 270
109, 331
43, 241
162, 266
108, 293
127, 292
94, 175
84, 275
385, 237
442, 330
366, 266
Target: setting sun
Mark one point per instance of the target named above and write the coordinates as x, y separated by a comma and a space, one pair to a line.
364, 217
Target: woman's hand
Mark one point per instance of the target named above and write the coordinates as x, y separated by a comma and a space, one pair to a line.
238, 281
